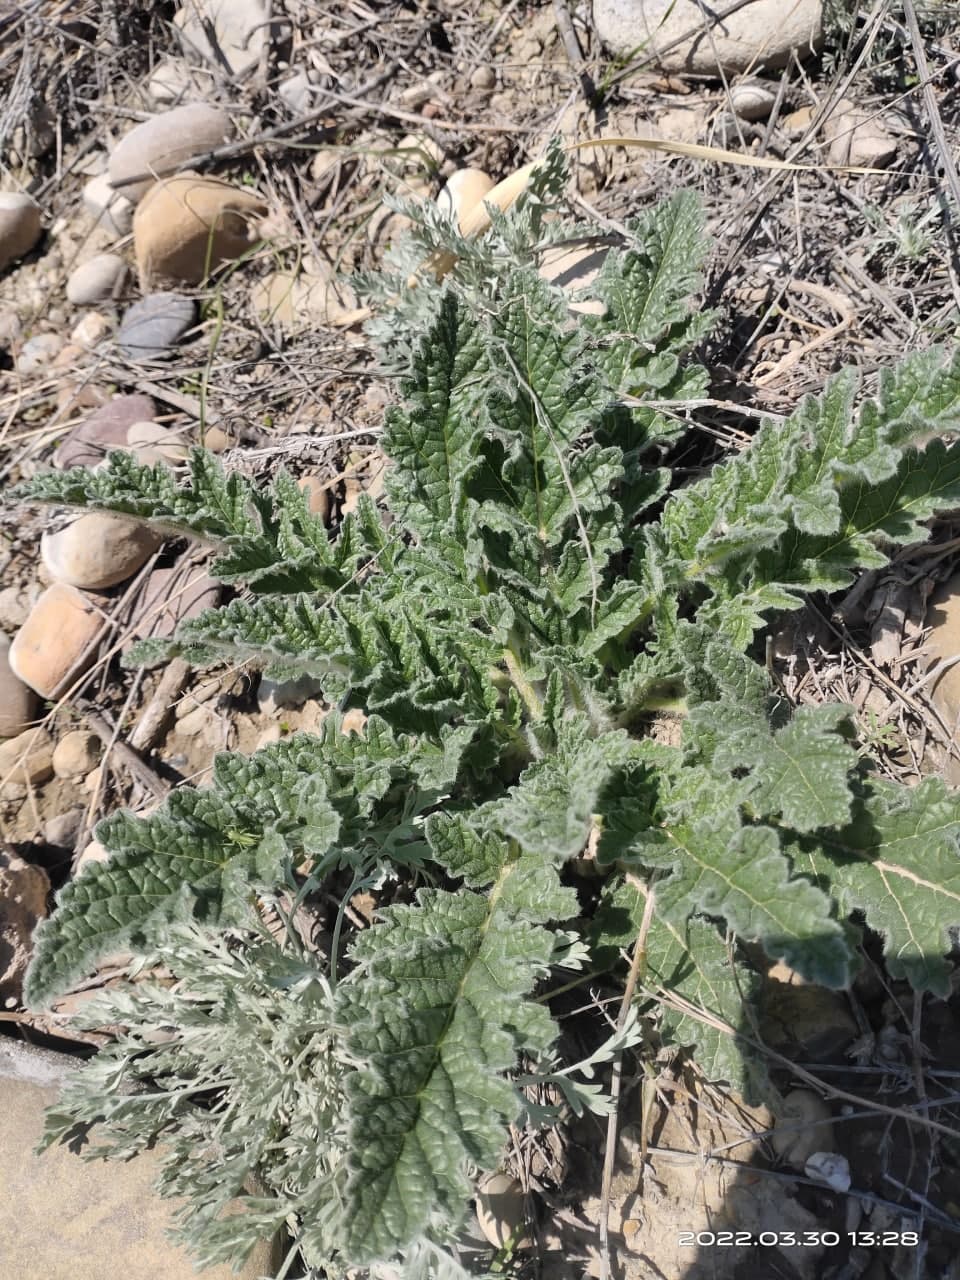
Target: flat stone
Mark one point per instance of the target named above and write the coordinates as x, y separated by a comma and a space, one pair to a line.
765, 33
89, 443
300, 301
18, 702
274, 695
20, 226
857, 137
172, 596
153, 326
23, 902
572, 270
241, 32
186, 226
65, 1218
109, 208
159, 145
76, 753
97, 551
57, 640
98, 278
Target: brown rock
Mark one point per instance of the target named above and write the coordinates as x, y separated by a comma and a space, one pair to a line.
105, 429
857, 137
23, 902
799, 1018
575, 269
18, 703
500, 1210
171, 596
26, 761
97, 551
299, 301
75, 754
20, 226
463, 191
160, 144
56, 642
152, 442
65, 1218
186, 226
318, 495
804, 1126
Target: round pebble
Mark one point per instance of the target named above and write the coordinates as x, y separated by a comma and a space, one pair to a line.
152, 327
75, 754
97, 551
20, 226
98, 278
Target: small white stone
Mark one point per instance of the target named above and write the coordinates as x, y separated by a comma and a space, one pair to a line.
98, 278
97, 551
829, 1168
107, 207
500, 1209
38, 352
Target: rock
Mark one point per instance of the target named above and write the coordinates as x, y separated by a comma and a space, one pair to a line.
20, 226
500, 1209
799, 1018
271, 734
76, 753
151, 327
943, 647
805, 1125
197, 723
152, 442
164, 142
832, 1170
106, 428
798, 122
38, 352
856, 137
18, 702
186, 226
573, 270
23, 902
65, 1218
241, 33
752, 100
91, 330
26, 761
297, 91
483, 77
168, 82
300, 301
97, 551
216, 440
93, 782
318, 495
62, 829
274, 695
92, 852
463, 191
15, 604
56, 642
353, 721
765, 33
108, 208
172, 596
97, 279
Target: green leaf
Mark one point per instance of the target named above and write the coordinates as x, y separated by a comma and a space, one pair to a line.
898, 861
437, 1012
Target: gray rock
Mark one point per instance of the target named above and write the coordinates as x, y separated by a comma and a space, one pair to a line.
153, 326
241, 31
106, 428
62, 830
297, 92
38, 352
26, 761
752, 100
23, 902
168, 82
172, 596
762, 34
65, 1218
162, 143
109, 208
98, 278
18, 702
15, 604
20, 226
